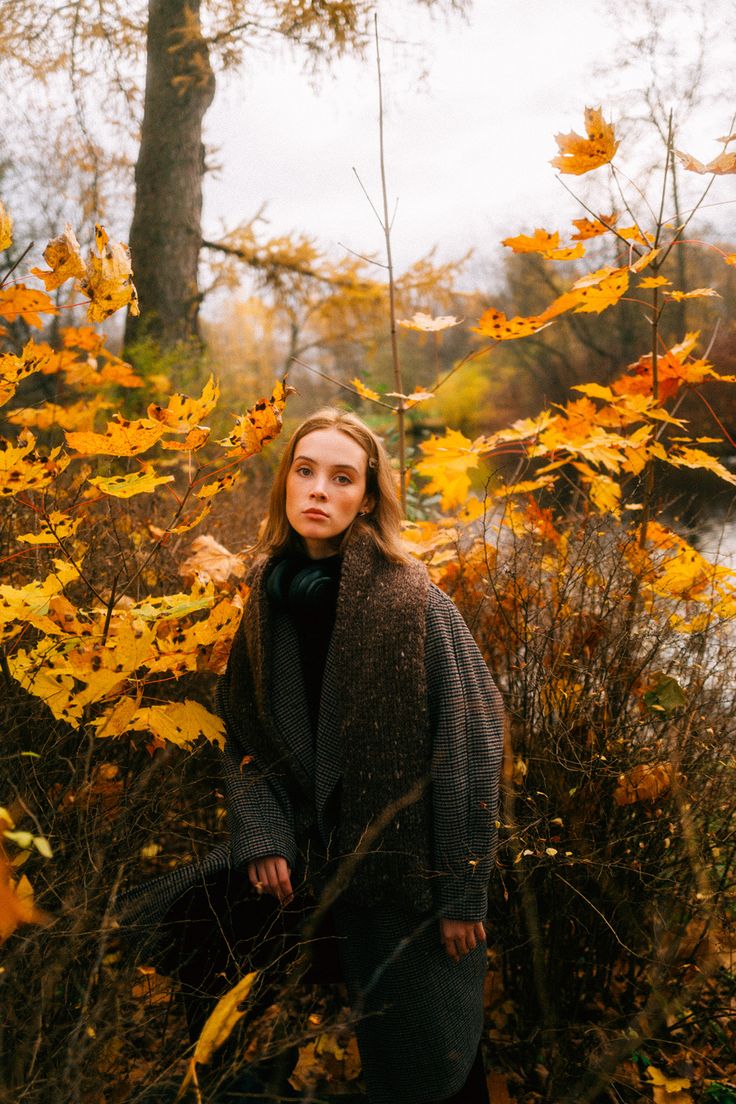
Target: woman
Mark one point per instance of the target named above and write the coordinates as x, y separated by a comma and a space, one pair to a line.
364, 739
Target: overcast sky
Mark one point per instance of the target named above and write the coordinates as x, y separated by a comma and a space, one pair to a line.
470, 118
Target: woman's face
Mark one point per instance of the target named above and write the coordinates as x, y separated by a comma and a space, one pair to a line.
325, 489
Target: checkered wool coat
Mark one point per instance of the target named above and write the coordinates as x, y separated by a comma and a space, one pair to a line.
420, 1014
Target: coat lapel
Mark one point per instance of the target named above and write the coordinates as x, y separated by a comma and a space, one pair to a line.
328, 752
288, 700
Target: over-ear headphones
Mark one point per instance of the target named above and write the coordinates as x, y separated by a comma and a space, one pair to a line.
292, 584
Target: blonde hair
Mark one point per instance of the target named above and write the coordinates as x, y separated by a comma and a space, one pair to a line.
383, 523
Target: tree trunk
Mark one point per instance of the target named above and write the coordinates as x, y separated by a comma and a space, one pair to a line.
166, 233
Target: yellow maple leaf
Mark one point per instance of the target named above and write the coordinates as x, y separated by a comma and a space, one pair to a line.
446, 463
180, 723
219, 1026
44, 673
593, 228
259, 425
633, 233
121, 438
27, 303
604, 492
541, 241
579, 155
80, 415
222, 483
182, 414
16, 902
14, 368
194, 440
187, 521
668, 1090
566, 253
592, 293
6, 229
425, 323
115, 719
684, 457
494, 324
547, 244
125, 486
526, 486
54, 528
64, 259
108, 282
22, 468
696, 293
102, 667
363, 391
653, 281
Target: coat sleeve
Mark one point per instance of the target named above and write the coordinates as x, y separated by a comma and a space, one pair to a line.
466, 717
260, 814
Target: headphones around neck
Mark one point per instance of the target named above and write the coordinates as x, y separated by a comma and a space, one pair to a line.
292, 585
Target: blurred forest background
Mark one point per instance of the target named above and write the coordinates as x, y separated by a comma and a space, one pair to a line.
572, 527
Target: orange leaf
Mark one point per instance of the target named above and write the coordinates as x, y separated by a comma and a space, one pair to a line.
653, 281
64, 259
13, 369
494, 324
539, 242
108, 283
259, 425
447, 461
221, 483
181, 413
194, 440
6, 229
22, 468
591, 293
363, 391
16, 902
633, 233
121, 438
20, 301
579, 155
593, 228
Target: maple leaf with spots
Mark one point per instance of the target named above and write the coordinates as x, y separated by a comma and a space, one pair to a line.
579, 155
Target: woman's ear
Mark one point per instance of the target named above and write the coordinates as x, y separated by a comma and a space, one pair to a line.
368, 504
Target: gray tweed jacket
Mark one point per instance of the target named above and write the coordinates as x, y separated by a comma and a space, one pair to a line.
422, 1041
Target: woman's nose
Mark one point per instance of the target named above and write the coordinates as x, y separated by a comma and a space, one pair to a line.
318, 491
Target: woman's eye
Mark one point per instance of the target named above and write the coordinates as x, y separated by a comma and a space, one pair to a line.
303, 470
345, 480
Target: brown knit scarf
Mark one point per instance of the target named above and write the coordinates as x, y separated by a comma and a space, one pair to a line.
385, 746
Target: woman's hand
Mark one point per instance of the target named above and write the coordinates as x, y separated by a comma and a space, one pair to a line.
461, 936
271, 875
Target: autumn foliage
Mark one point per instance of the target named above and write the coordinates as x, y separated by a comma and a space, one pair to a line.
607, 629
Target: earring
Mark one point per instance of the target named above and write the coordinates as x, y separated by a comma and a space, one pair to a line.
362, 513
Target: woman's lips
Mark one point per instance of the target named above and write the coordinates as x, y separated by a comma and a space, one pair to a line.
314, 513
